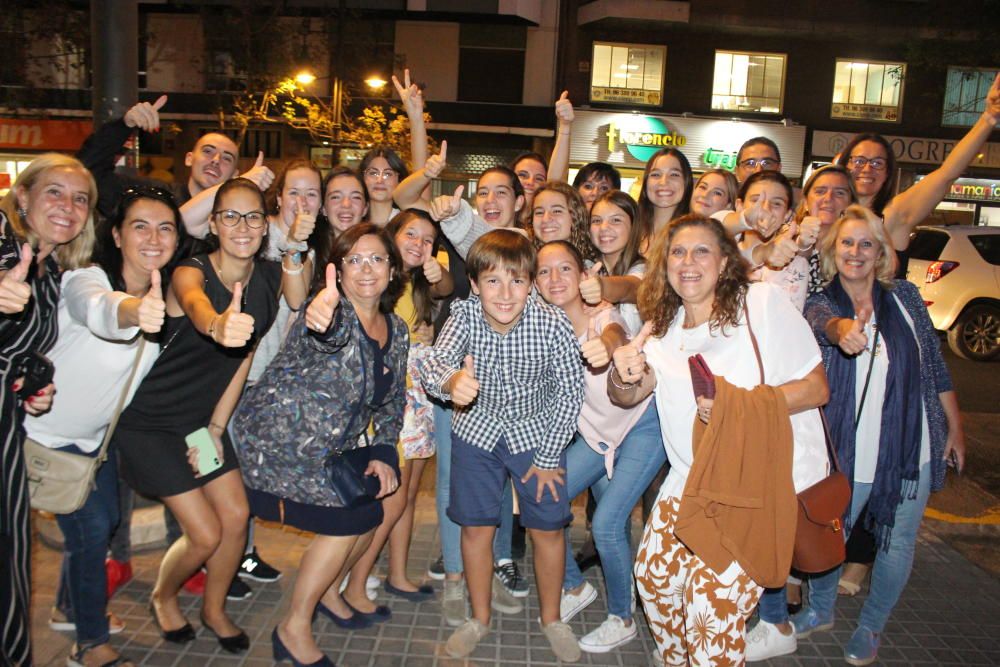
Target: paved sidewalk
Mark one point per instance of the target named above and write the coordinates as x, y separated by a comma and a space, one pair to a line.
949, 614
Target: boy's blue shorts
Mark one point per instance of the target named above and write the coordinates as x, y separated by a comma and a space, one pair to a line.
477, 481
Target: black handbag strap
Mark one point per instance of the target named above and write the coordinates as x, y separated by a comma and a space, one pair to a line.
868, 379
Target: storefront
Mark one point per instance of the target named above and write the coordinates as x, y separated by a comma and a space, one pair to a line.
21, 140
969, 200
627, 140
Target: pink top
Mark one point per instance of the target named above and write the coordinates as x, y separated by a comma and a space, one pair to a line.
602, 423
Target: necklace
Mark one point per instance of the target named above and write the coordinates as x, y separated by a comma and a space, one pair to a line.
218, 272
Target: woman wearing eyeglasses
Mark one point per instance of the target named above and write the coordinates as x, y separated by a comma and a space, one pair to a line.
172, 438
105, 310
382, 169
343, 367
872, 164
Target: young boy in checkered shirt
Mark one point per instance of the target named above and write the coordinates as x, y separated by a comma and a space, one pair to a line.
510, 364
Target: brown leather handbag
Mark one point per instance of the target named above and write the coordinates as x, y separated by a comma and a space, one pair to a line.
819, 534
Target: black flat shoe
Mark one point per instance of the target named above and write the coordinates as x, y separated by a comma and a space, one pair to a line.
281, 652
234, 644
181, 635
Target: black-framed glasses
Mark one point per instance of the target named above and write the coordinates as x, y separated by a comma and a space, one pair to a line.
766, 163
231, 218
876, 163
380, 175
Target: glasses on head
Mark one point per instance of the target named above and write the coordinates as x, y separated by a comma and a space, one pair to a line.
762, 162
383, 175
373, 261
231, 218
859, 162
134, 192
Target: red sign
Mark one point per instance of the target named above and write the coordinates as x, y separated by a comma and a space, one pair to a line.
43, 135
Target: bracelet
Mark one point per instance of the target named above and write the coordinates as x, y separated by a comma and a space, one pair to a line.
211, 327
628, 386
291, 272
214, 425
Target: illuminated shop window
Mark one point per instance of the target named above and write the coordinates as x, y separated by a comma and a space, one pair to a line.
965, 95
627, 73
868, 90
753, 82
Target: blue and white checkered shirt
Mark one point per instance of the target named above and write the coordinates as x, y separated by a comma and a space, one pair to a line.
530, 379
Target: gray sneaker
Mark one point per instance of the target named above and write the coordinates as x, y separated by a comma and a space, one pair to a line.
504, 602
465, 639
455, 603
562, 640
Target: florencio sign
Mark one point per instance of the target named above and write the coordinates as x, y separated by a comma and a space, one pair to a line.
642, 136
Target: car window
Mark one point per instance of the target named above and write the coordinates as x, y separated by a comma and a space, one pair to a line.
927, 245
988, 246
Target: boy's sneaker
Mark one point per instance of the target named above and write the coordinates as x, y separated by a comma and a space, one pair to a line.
59, 622
436, 570
766, 641
562, 640
466, 638
252, 567
611, 634
808, 621
503, 601
372, 584
454, 602
509, 575
238, 590
572, 604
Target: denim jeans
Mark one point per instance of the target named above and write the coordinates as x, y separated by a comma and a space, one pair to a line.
892, 566
82, 593
773, 606
637, 460
451, 532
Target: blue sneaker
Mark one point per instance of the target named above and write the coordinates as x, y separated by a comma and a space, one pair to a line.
863, 647
808, 621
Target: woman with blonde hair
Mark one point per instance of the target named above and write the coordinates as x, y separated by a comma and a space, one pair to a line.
46, 227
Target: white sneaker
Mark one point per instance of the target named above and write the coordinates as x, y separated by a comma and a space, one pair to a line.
610, 634
371, 586
570, 605
766, 641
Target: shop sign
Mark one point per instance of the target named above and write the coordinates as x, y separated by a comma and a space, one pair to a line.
626, 95
876, 112
43, 135
642, 136
717, 158
915, 150
975, 189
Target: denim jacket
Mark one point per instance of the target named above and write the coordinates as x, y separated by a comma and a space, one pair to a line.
314, 399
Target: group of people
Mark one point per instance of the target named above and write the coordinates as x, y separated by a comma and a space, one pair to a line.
296, 346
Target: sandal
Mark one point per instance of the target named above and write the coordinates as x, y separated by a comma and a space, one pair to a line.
848, 588
76, 658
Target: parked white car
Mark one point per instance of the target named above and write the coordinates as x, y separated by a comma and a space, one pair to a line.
957, 270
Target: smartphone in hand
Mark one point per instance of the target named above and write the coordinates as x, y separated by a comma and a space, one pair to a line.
208, 457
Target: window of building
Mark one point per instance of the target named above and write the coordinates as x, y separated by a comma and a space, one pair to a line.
868, 90
628, 73
752, 82
491, 63
965, 95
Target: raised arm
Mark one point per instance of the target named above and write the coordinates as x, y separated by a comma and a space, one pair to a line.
909, 208
559, 160
412, 98
408, 193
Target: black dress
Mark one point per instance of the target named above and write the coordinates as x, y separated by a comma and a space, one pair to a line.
180, 392
33, 329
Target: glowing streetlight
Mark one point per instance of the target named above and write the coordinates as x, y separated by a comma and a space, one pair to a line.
375, 82
305, 77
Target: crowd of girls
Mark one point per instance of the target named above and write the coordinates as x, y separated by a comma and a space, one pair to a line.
289, 342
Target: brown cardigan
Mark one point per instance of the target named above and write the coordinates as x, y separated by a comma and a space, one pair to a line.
739, 500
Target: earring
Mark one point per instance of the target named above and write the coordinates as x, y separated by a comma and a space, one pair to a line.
23, 212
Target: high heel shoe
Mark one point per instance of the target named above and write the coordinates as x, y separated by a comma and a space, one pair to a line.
233, 644
281, 652
181, 635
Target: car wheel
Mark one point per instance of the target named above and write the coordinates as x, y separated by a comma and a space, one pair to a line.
976, 333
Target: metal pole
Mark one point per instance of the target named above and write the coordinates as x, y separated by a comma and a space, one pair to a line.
114, 39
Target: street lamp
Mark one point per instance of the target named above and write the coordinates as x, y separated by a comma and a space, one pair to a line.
306, 77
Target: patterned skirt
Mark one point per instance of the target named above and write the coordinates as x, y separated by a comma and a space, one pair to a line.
416, 439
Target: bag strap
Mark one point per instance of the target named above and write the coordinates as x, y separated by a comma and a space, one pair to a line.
103, 454
868, 379
830, 451
753, 339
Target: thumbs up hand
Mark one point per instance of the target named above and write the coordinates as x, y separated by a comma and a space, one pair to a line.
590, 287
436, 163
447, 206
808, 232
630, 360
233, 328
564, 109
463, 385
303, 225
785, 248
259, 174
152, 308
146, 116
853, 339
594, 349
432, 270
319, 314
15, 292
